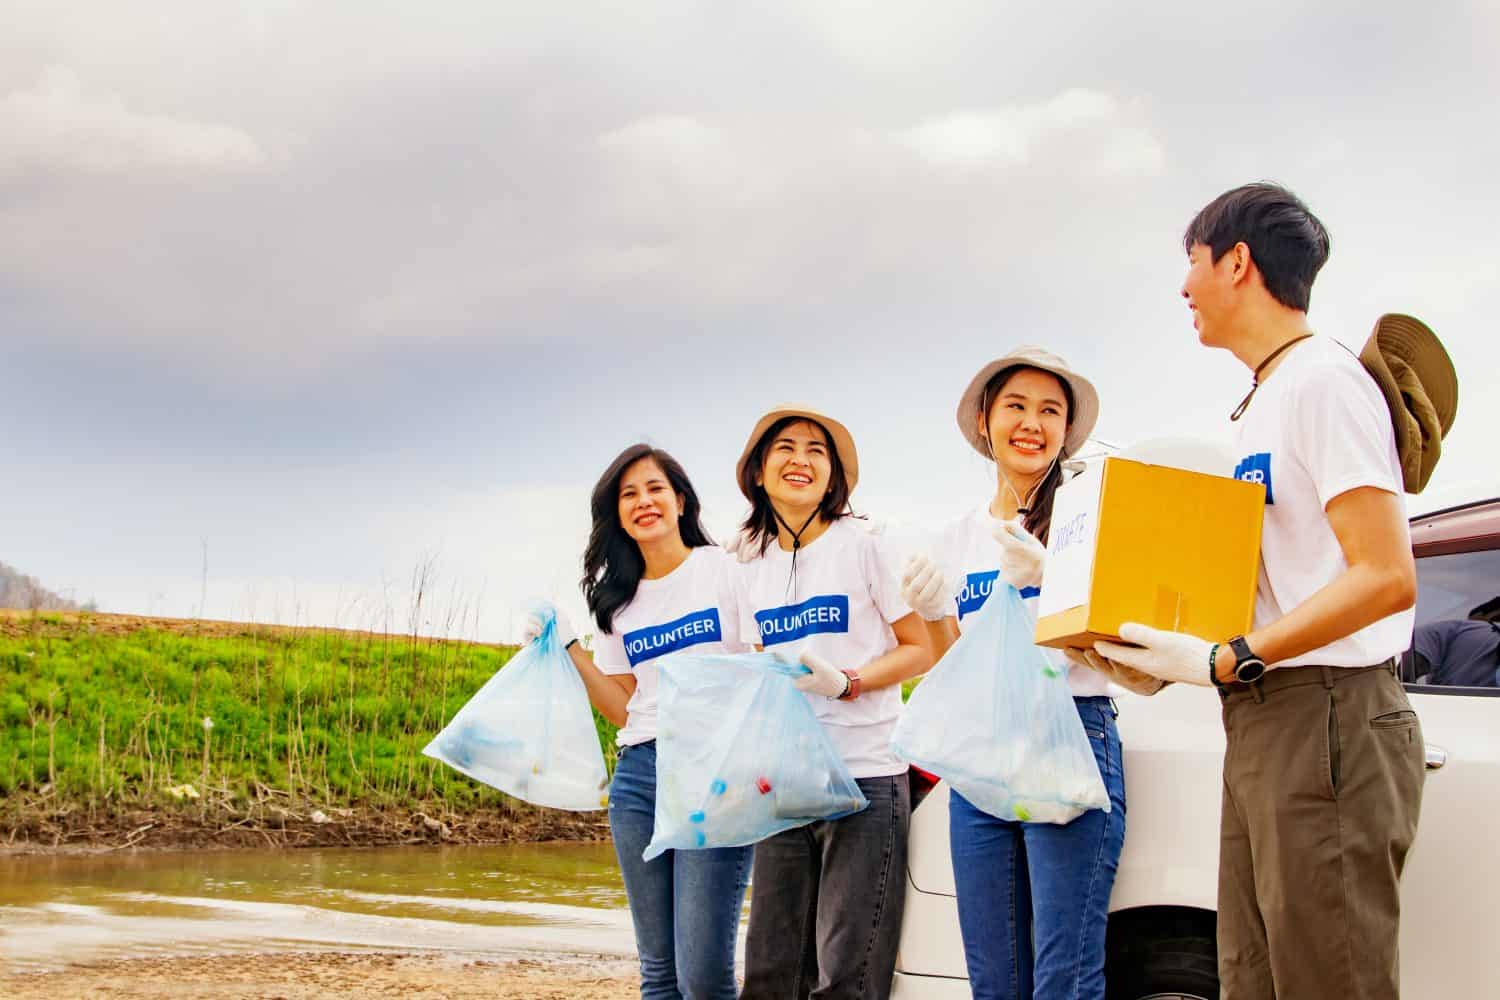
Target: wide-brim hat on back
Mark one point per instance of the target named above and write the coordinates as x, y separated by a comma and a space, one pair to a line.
840, 438
1420, 387
1085, 409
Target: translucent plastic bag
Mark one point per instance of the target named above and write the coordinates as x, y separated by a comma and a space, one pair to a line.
529, 731
996, 719
740, 755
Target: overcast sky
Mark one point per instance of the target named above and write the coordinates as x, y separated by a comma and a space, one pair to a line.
330, 291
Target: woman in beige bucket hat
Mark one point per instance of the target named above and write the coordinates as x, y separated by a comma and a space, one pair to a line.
1026, 412
826, 899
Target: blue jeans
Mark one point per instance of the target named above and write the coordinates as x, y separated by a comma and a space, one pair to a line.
1033, 898
685, 904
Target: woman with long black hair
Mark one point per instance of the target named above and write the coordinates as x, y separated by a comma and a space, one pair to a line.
826, 899
655, 583
1033, 898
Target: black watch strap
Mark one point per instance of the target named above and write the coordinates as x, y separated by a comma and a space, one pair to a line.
1248, 667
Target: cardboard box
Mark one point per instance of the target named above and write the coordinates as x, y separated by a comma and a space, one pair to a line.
1132, 542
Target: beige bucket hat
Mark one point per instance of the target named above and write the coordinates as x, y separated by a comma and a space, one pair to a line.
1085, 397
843, 441
1420, 387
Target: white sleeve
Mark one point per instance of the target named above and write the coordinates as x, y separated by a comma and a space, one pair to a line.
744, 609
610, 657
1342, 434
730, 620
880, 578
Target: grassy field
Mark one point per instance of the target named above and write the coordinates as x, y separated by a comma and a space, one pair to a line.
110, 718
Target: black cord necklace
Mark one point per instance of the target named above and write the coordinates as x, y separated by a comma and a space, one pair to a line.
791, 583
1239, 411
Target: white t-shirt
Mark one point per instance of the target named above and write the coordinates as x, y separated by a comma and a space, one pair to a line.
1317, 428
845, 601
692, 607
968, 555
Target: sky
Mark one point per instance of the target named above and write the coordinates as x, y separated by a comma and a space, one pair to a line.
304, 304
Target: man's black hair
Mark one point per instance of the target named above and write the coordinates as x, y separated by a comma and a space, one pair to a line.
1287, 242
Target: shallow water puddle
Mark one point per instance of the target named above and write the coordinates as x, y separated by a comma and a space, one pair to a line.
495, 901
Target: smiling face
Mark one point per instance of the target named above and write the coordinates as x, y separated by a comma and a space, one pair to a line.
1028, 422
798, 466
649, 507
1209, 289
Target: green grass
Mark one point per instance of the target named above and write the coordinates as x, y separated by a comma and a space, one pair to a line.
337, 718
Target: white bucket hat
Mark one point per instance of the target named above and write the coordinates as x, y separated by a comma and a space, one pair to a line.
1085, 407
843, 441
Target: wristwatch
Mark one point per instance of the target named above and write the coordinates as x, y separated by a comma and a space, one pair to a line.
1247, 666
852, 691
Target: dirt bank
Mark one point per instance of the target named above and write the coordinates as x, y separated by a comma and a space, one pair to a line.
32, 827
313, 976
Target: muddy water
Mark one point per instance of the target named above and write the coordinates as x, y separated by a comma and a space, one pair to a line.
495, 901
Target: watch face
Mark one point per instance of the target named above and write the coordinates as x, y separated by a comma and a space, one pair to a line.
1249, 670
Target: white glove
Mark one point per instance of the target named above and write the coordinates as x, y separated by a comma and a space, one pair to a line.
1171, 656
1133, 681
1022, 556
825, 679
739, 546
535, 621
924, 590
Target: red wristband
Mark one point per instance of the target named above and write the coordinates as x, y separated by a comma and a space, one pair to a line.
854, 685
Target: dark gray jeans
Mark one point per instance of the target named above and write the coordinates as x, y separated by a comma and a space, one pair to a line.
826, 901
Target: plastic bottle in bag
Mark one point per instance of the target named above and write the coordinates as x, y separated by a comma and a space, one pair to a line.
529, 731
740, 755
996, 719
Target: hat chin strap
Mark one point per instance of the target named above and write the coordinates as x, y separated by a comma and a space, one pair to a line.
1023, 504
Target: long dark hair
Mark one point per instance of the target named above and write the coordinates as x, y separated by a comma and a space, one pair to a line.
761, 524
612, 563
1038, 517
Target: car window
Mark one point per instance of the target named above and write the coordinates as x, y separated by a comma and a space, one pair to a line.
1456, 643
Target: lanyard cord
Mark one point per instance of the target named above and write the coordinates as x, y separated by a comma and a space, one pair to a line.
1239, 411
791, 583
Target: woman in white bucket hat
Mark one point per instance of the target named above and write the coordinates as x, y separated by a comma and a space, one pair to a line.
1033, 898
826, 898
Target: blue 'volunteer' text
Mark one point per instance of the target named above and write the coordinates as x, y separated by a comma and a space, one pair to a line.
1257, 469
828, 613
978, 588
658, 640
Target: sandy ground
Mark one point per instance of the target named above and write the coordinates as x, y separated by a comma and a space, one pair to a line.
305, 976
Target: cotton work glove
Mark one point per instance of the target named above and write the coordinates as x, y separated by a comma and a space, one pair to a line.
924, 589
1171, 656
1133, 681
825, 679
1022, 556
536, 621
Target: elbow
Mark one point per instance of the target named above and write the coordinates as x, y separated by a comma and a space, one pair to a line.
1400, 590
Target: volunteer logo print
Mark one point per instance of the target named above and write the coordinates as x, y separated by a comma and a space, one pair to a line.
977, 589
828, 613
658, 640
1256, 469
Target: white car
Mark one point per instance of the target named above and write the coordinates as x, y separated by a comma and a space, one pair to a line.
1161, 928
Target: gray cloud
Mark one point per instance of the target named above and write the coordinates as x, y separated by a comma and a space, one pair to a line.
310, 263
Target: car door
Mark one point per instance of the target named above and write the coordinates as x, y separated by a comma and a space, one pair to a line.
1452, 876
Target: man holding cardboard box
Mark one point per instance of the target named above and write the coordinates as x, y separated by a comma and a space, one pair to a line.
1323, 769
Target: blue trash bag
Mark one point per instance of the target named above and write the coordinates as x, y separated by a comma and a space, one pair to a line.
740, 755
995, 718
529, 731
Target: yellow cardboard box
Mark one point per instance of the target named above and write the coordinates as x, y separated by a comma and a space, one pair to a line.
1132, 542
